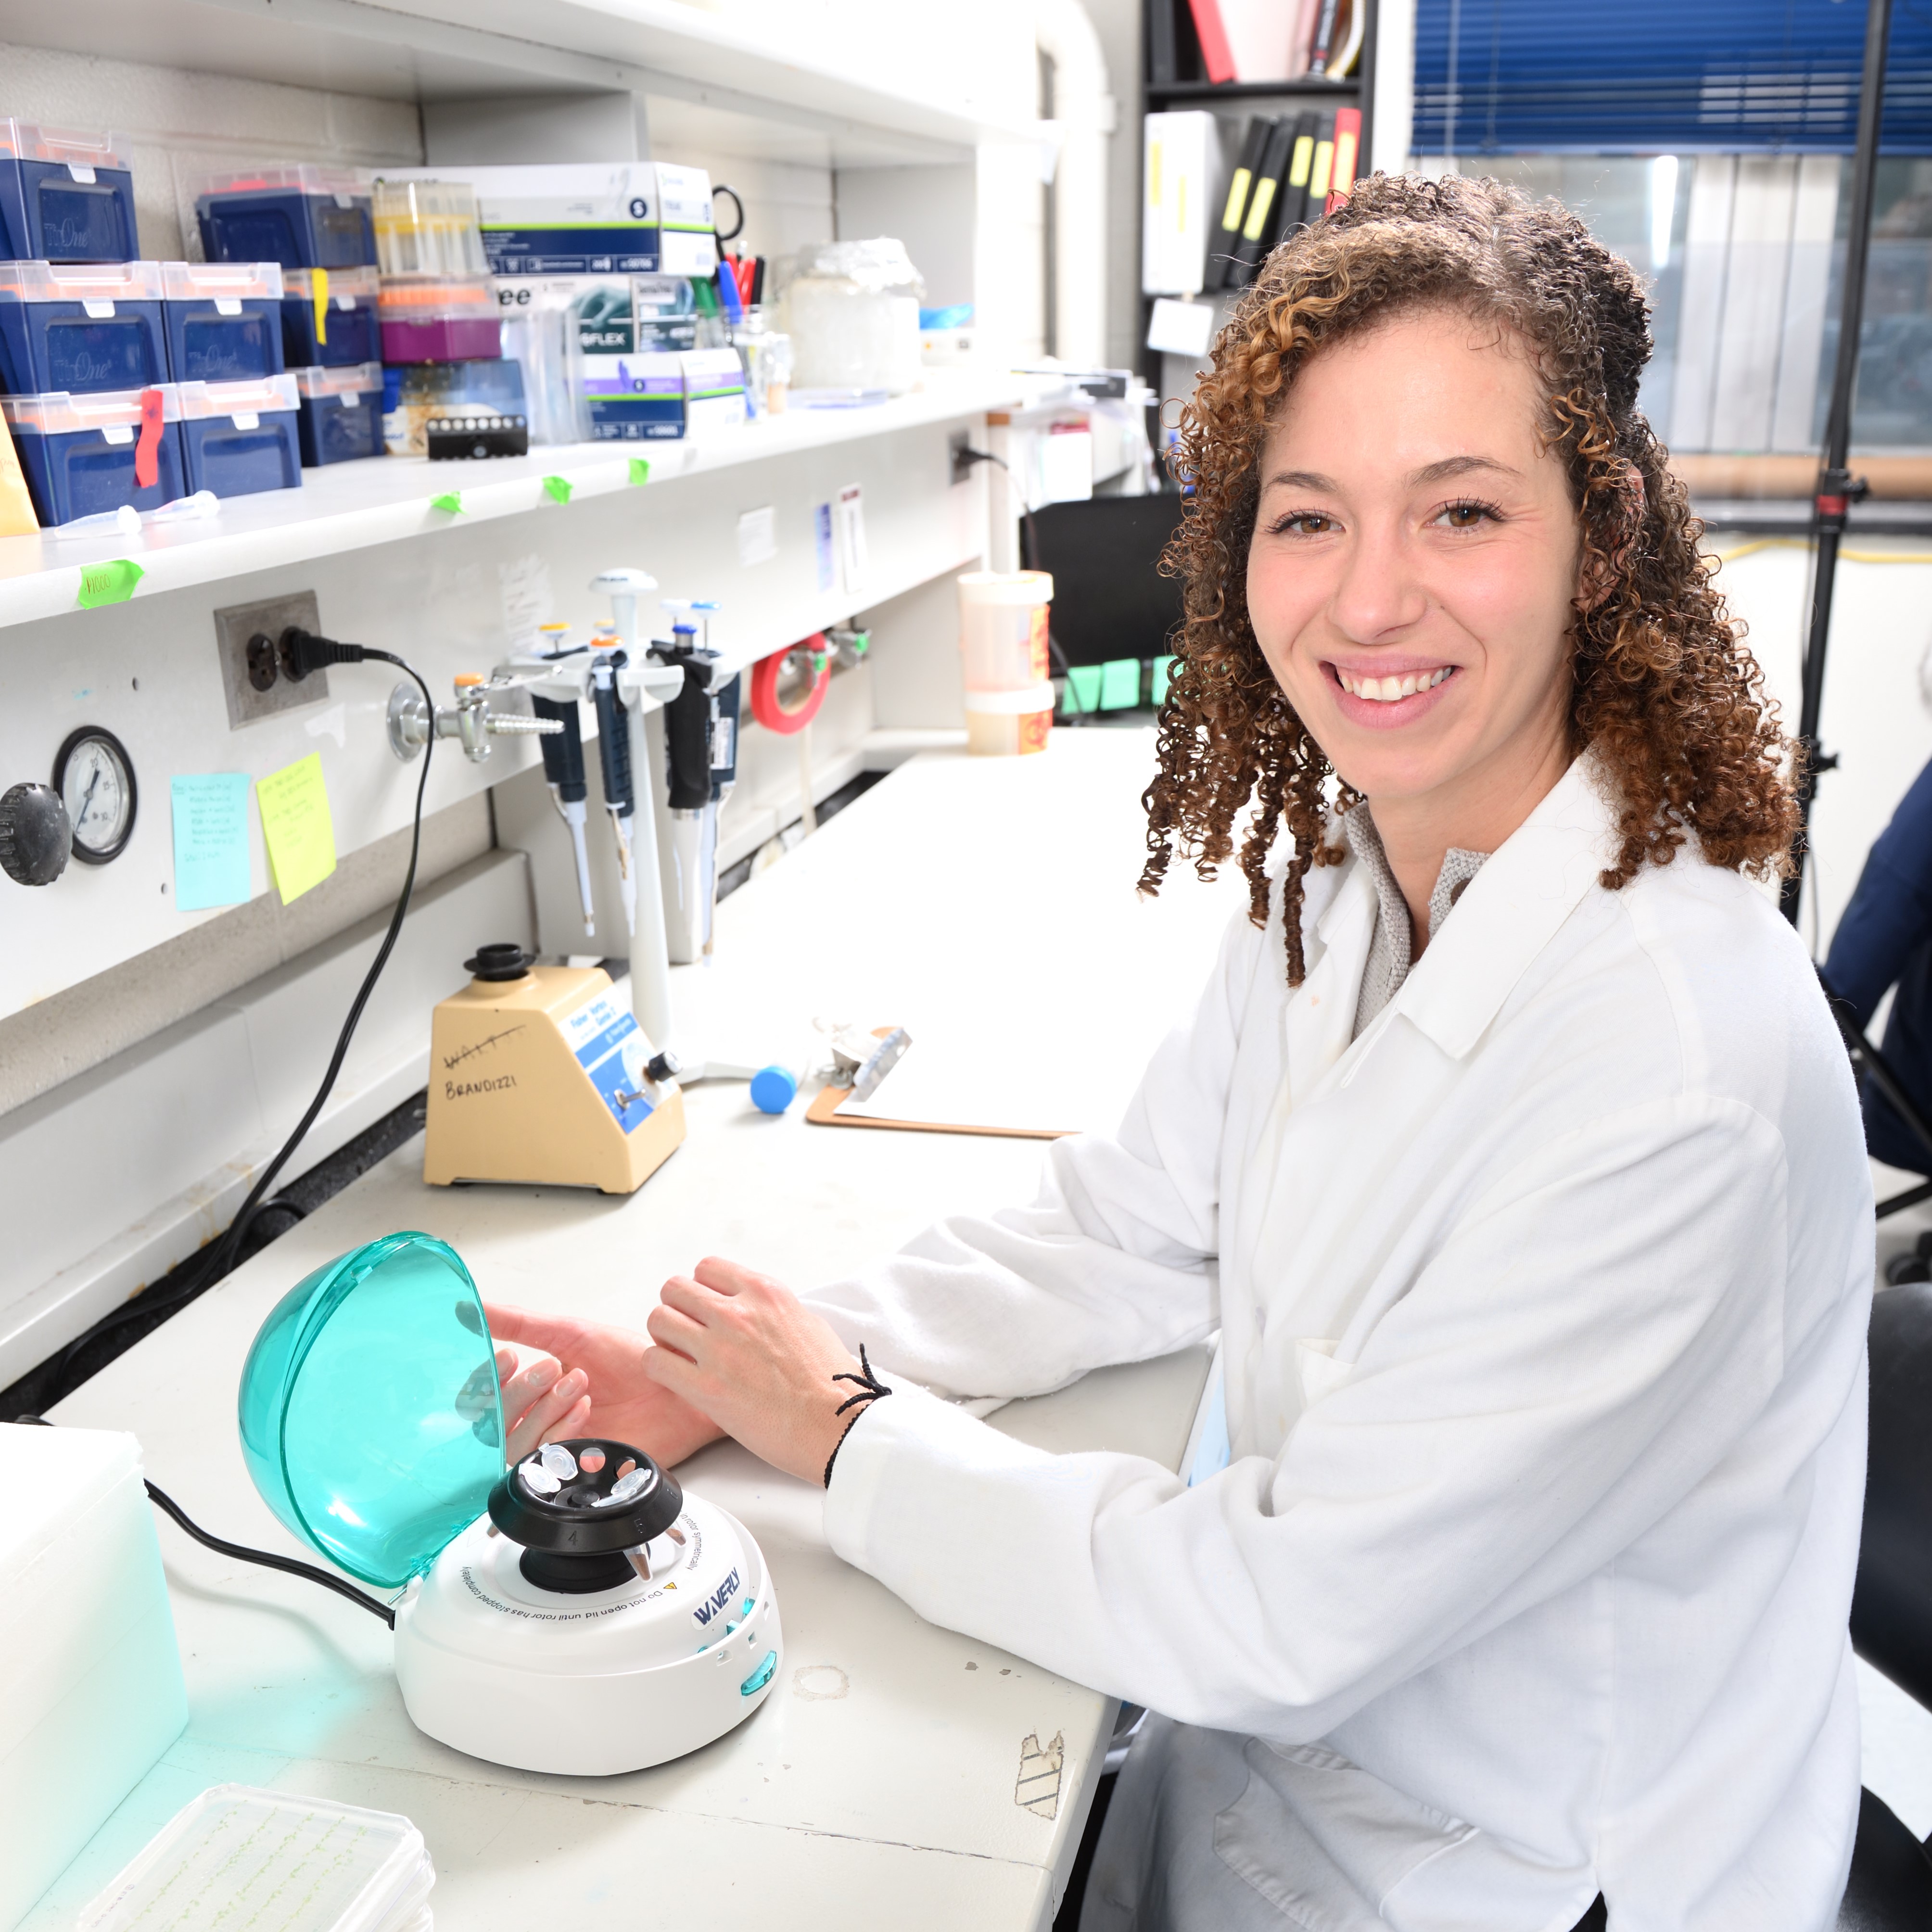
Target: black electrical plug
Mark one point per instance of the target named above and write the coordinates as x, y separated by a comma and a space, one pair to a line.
301, 652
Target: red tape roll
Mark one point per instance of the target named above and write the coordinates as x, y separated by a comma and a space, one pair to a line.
766, 706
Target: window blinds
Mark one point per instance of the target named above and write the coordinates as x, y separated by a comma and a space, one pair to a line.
1662, 77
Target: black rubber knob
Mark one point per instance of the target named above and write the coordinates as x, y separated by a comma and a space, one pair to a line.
501, 961
36, 838
664, 1066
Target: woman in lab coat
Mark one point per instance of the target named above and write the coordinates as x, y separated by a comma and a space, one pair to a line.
1511, 1151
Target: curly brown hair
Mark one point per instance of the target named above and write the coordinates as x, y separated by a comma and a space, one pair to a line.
1664, 689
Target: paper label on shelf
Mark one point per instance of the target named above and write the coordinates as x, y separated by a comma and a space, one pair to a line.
112, 583
211, 829
854, 565
296, 826
758, 537
828, 567
611, 1048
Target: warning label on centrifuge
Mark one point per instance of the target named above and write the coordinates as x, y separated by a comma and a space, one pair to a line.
613, 1051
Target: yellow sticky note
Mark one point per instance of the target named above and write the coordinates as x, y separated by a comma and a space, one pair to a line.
16, 512
295, 824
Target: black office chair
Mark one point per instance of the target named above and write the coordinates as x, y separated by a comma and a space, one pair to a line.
1109, 599
1891, 1887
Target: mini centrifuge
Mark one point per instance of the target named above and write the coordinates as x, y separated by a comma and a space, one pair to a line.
578, 1613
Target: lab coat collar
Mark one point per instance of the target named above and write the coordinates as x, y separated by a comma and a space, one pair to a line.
1511, 910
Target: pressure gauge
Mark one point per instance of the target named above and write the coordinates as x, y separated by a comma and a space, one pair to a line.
95, 778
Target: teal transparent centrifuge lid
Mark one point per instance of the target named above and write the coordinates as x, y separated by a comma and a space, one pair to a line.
371, 1417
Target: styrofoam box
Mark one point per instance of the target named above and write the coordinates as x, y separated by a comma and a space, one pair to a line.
238, 1856
91, 1690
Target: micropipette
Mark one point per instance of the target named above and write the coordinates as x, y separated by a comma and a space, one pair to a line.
563, 767
614, 745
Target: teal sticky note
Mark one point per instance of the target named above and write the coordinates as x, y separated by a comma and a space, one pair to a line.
1121, 684
1083, 688
211, 814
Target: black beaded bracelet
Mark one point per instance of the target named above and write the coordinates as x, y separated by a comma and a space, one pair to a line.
870, 1389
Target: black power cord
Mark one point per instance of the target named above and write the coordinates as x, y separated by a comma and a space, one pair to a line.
267, 1558
300, 651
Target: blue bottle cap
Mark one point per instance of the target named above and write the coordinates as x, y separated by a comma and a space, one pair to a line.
773, 1089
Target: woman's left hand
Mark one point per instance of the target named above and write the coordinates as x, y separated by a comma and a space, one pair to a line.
757, 1361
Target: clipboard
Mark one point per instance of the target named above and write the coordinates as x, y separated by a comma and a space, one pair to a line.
826, 1103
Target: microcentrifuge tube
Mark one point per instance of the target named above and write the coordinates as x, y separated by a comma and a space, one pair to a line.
558, 1461
538, 1480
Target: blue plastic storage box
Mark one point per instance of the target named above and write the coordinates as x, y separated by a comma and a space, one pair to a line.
80, 453
82, 328
304, 217
329, 319
238, 438
223, 319
341, 413
64, 196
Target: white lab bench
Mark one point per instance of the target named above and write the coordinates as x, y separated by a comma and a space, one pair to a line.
877, 1785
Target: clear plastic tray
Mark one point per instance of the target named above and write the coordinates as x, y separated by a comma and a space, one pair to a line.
80, 281
298, 177
357, 380
272, 1861
26, 141
220, 281
346, 286
61, 414
200, 401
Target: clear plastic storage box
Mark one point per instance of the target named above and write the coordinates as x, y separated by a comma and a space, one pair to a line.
223, 319
341, 413
329, 318
84, 454
273, 1862
65, 196
304, 217
80, 327
239, 438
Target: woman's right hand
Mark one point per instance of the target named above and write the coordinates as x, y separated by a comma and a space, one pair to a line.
621, 1402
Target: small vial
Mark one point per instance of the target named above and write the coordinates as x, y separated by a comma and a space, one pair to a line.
538, 1480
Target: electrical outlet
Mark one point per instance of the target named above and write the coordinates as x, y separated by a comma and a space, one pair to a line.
957, 445
252, 681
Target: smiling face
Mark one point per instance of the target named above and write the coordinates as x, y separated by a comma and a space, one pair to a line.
1411, 574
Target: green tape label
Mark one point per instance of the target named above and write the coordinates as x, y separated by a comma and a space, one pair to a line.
640, 470
559, 488
451, 500
109, 582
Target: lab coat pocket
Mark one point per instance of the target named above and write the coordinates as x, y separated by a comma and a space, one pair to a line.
1319, 1372
1324, 1841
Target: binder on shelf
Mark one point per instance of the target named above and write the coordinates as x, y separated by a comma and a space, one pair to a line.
1181, 161
1234, 210
1163, 51
1217, 56
1293, 209
1348, 142
1321, 173
1257, 228
1322, 41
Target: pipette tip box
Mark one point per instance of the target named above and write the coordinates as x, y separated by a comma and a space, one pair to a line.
65, 196
304, 216
240, 438
329, 318
223, 320
341, 415
82, 454
82, 328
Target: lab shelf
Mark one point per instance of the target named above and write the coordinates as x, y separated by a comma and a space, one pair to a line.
350, 506
464, 50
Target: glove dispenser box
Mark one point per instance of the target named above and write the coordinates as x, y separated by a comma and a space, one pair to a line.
91, 1689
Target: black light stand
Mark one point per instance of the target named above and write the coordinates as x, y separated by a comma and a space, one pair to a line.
1836, 488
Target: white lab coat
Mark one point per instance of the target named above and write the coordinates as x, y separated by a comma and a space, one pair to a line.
1544, 1305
